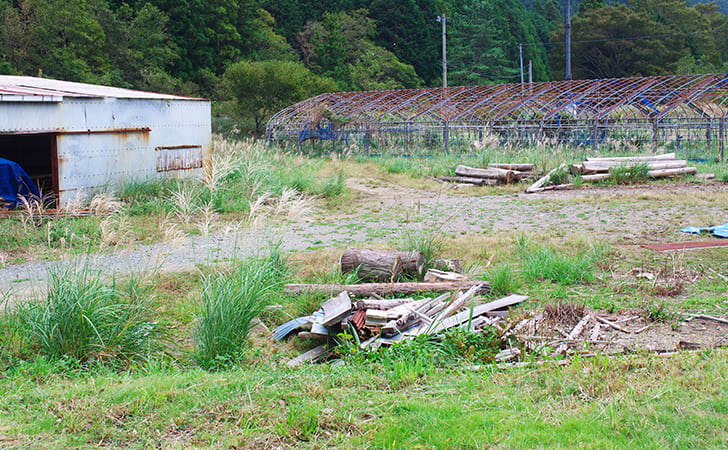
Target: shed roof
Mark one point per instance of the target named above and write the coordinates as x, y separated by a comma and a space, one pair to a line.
33, 89
702, 96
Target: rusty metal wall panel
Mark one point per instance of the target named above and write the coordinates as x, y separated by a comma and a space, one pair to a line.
179, 158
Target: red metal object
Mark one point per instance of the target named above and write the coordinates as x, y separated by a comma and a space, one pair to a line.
690, 245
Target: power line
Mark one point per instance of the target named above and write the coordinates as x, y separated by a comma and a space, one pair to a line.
632, 38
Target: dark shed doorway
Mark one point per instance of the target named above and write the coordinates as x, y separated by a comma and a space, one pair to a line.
37, 155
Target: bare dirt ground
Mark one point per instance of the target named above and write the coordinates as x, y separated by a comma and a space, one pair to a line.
379, 211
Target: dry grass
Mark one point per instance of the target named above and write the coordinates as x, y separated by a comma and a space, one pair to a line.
564, 313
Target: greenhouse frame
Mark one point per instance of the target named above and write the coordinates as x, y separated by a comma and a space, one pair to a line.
683, 112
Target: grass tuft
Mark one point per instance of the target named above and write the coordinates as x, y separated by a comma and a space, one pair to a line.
85, 319
503, 279
231, 299
552, 264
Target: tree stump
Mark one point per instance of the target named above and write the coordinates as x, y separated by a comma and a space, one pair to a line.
381, 265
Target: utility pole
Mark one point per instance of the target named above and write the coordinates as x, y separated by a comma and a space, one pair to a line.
520, 56
567, 35
443, 20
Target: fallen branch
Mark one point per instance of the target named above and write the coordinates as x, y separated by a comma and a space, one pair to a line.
612, 324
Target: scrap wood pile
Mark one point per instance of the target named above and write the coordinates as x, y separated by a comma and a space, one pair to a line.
599, 169
492, 175
377, 321
568, 330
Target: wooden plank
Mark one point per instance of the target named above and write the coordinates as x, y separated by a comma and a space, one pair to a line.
310, 356
538, 186
336, 309
464, 316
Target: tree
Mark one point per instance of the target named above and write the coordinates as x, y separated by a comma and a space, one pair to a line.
63, 41
652, 37
477, 46
408, 29
340, 47
261, 88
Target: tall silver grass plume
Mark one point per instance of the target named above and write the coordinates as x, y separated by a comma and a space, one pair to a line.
105, 203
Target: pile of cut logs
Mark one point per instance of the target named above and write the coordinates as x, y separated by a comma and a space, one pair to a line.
377, 321
598, 169
493, 174
659, 166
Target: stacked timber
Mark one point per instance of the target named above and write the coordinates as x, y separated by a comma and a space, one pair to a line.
492, 175
658, 166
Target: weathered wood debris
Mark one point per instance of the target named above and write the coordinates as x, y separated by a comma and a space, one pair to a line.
377, 321
598, 169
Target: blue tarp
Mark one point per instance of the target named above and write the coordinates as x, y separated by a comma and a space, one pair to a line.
717, 230
327, 133
15, 183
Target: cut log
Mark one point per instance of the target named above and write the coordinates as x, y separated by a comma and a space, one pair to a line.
497, 174
605, 166
367, 289
517, 167
381, 265
666, 156
472, 180
672, 172
373, 265
447, 265
596, 177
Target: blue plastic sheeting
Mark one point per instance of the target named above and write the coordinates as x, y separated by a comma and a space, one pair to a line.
716, 230
326, 133
15, 183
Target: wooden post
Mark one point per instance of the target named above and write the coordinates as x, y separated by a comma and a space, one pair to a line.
721, 133
654, 136
446, 137
594, 137
708, 140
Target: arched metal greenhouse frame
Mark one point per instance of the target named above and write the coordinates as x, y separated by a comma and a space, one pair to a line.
686, 112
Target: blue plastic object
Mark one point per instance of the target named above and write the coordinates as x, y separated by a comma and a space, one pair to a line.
717, 230
15, 183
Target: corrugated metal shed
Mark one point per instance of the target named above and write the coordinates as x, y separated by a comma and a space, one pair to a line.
73, 137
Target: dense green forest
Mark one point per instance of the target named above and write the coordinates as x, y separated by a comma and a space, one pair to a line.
289, 49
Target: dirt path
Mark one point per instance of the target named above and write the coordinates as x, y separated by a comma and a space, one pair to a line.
378, 213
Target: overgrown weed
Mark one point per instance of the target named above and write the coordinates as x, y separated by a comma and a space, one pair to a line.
85, 318
230, 299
